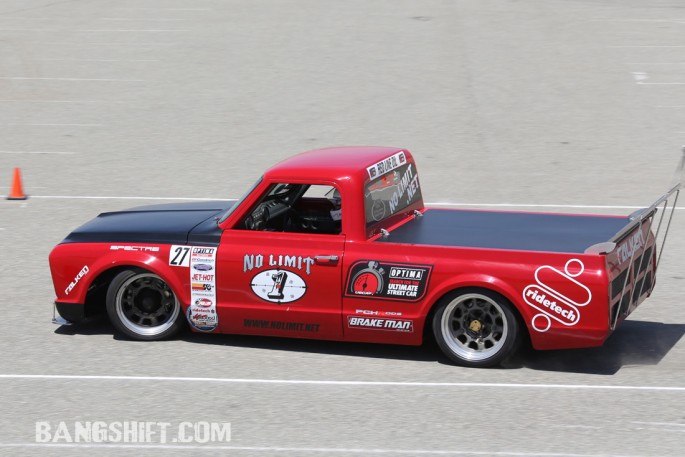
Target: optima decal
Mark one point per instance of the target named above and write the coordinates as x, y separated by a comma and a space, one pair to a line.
390, 281
278, 286
560, 302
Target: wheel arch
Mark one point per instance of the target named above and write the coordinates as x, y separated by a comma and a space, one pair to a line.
489, 283
107, 269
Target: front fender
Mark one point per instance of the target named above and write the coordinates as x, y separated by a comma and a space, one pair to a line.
75, 266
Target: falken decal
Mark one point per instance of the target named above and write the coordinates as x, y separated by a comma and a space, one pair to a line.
278, 286
388, 281
561, 302
201, 313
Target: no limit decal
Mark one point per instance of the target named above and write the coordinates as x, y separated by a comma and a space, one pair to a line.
278, 286
390, 281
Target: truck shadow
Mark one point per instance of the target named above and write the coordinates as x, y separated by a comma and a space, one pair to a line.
635, 343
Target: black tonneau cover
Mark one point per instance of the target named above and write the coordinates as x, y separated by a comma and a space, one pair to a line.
507, 230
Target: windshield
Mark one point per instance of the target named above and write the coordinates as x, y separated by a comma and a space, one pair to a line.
230, 210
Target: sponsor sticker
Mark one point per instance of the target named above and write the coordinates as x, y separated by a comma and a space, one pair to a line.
179, 256
373, 323
201, 313
278, 286
386, 165
135, 248
560, 302
386, 280
281, 325
84, 271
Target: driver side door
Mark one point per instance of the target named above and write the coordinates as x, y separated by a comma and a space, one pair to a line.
279, 270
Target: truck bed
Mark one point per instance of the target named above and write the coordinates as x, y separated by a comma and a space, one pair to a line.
507, 230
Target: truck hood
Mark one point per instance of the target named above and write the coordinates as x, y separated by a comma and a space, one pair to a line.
175, 223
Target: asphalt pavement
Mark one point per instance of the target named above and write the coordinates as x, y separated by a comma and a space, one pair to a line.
564, 106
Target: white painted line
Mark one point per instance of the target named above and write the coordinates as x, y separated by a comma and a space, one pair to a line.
97, 60
667, 424
62, 43
140, 19
655, 63
85, 197
428, 204
639, 75
660, 84
26, 78
342, 383
58, 101
95, 30
525, 205
38, 152
163, 9
57, 125
677, 21
301, 450
648, 46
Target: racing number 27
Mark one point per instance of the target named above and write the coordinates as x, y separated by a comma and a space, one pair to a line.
179, 256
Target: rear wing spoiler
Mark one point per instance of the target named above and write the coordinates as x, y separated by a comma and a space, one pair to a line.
642, 221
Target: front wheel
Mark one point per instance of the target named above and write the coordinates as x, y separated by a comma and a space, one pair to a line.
142, 306
475, 328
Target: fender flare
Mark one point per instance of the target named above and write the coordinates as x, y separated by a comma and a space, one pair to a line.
140, 260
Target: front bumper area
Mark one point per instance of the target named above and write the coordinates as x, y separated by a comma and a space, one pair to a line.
71, 312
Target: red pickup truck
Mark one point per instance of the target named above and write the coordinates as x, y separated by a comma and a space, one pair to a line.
336, 244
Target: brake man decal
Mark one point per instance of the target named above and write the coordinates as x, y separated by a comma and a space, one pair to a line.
560, 304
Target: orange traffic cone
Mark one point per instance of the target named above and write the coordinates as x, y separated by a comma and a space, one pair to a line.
17, 192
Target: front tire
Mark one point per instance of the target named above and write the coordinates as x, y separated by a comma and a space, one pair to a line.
476, 328
142, 306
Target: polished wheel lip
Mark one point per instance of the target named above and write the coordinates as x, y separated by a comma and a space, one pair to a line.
145, 330
459, 348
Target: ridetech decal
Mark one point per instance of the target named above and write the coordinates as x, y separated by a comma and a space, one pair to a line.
278, 286
202, 313
390, 281
561, 301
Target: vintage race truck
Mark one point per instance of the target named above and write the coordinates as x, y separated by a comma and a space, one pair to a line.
336, 244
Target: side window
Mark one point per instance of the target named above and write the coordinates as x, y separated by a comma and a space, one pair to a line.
297, 208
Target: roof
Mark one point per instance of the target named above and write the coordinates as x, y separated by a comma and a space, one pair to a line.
332, 163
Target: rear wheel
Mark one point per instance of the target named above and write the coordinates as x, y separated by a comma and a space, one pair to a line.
475, 328
142, 306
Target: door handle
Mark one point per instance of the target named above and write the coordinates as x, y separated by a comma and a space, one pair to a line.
326, 259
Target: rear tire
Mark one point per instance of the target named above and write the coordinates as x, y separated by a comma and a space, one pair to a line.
476, 328
142, 306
